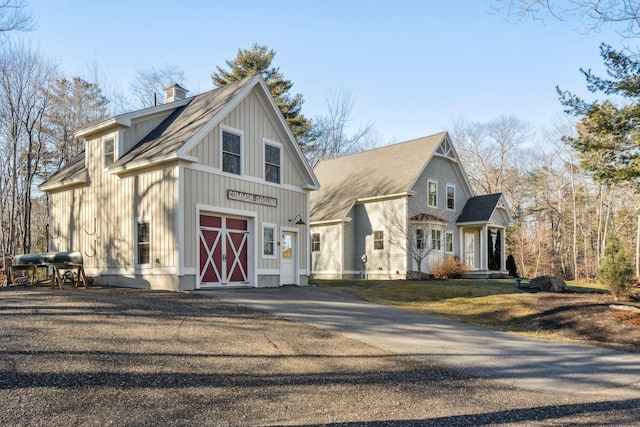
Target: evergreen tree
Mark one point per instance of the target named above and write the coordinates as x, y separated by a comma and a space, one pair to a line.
615, 269
258, 60
608, 138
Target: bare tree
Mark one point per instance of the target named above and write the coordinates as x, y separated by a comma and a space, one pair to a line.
330, 136
148, 87
593, 14
14, 16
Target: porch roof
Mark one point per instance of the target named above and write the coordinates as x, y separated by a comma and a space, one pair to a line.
479, 208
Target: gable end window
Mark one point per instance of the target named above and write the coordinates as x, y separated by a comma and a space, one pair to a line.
315, 242
432, 196
109, 152
378, 240
272, 162
231, 152
451, 197
143, 256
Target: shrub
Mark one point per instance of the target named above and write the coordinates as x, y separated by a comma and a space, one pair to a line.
449, 268
615, 270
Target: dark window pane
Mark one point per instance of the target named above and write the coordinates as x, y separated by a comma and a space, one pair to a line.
231, 143
272, 173
272, 155
231, 163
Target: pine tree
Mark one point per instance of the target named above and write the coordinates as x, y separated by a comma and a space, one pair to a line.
258, 60
615, 269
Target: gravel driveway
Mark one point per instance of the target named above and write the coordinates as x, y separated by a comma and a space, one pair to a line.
125, 357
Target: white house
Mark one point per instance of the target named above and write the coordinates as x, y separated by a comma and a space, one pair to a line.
199, 192
417, 188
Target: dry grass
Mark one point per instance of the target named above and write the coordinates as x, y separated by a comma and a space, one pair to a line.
495, 303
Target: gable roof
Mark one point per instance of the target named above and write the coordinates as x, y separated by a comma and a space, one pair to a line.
479, 208
189, 121
73, 173
385, 171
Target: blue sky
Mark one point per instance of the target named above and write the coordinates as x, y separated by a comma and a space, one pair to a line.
413, 66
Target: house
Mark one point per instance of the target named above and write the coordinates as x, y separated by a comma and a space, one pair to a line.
199, 192
375, 206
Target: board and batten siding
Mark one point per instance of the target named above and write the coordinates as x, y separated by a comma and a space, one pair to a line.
209, 189
327, 262
100, 220
256, 124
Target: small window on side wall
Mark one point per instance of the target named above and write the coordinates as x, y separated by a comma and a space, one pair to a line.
144, 242
268, 241
378, 240
315, 242
451, 197
448, 242
109, 152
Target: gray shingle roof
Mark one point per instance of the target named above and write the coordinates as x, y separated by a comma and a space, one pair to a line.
479, 208
374, 173
72, 172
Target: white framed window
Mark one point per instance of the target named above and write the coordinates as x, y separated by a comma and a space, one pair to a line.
451, 196
436, 239
143, 242
232, 149
432, 194
420, 241
108, 152
448, 242
315, 242
378, 240
269, 241
272, 161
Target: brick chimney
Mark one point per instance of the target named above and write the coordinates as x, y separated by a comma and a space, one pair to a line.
174, 93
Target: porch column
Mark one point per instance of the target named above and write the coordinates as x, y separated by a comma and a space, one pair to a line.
461, 244
503, 250
484, 261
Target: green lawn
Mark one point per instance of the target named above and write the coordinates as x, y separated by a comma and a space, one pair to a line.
496, 303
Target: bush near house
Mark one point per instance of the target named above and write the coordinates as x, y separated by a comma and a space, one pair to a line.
449, 268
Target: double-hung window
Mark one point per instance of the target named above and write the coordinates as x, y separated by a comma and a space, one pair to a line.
232, 152
109, 152
432, 196
378, 240
451, 196
272, 162
448, 241
420, 238
315, 242
436, 239
268, 241
143, 242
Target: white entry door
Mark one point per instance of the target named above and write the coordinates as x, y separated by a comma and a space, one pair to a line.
288, 256
470, 250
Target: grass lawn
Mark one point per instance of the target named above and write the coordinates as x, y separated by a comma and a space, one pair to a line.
495, 303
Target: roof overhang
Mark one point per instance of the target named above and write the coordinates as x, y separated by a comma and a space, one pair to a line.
136, 166
80, 179
330, 221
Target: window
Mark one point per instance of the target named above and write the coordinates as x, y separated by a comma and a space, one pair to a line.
448, 242
436, 243
451, 197
272, 163
378, 240
109, 152
231, 153
419, 238
315, 242
268, 243
144, 242
433, 194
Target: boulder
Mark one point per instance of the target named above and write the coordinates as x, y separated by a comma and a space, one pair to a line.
548, 284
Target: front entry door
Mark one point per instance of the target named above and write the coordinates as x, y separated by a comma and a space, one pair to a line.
288, 258
223, 251
470, 250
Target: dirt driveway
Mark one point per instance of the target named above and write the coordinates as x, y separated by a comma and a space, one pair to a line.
107, 356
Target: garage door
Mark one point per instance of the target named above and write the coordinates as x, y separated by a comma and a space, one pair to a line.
223, 251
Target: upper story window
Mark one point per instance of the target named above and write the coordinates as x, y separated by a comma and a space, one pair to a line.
272, 162
109, 152
232, 152
432, 196
451, 197
378, 240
